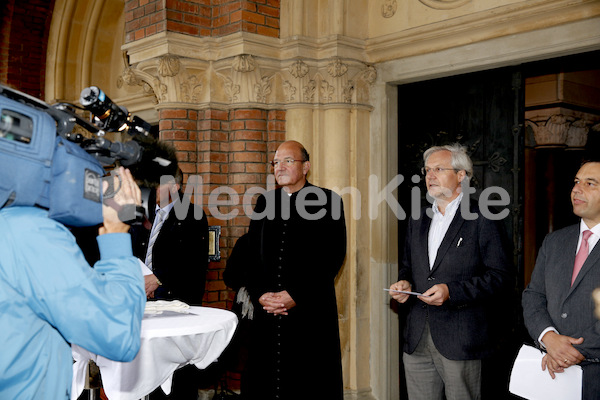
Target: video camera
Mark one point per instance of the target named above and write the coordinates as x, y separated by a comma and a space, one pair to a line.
44, 162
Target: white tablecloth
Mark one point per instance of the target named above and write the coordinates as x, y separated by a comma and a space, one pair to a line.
169, 341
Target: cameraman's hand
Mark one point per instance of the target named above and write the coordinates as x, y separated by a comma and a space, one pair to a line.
129, 193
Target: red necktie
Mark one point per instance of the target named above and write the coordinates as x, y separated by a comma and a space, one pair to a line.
582, 254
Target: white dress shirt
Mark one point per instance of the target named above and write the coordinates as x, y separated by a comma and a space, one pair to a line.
439, 226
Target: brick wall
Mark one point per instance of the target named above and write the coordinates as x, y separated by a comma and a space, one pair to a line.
23, 44
228, 150
204, 18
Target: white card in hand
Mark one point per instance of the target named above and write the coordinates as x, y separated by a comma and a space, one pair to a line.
405, 292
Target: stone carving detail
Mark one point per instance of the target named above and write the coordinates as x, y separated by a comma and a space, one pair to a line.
299, 69
561, 130
232, 89
290, 91
309, 91
337, 68
327, 91
191, 89
348, 92
244, 79
552, 132
162, 89
133, 77
369, 74
338, 81
389, 7
168, 66
262, 89
577, 135
129, 77
244, 63
444, 4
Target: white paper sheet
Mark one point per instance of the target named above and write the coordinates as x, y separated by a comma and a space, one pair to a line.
529, 381
405, 292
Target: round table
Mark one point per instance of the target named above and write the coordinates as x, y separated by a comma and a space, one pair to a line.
169, 341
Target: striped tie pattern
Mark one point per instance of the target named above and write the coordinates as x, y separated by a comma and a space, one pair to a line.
158, 222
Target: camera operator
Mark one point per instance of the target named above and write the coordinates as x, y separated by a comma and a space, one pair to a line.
51, 297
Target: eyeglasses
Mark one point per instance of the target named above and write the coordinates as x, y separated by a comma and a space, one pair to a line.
287, 162
436, 170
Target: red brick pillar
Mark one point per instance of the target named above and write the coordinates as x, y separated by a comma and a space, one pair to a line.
261, 17
224, 152
204, 18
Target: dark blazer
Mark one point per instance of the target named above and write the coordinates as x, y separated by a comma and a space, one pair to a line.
179, 254
550, 300
474, 261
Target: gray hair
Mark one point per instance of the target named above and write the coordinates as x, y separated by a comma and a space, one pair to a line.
460, 158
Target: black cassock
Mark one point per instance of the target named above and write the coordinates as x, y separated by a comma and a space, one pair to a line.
298, 244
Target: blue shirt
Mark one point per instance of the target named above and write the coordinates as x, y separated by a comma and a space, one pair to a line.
51, 297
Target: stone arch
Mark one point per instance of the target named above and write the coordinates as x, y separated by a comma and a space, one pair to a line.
84, 49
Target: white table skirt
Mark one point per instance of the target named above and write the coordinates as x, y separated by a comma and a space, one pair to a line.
169, 341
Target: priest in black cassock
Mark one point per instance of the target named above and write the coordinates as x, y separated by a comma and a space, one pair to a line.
297, 246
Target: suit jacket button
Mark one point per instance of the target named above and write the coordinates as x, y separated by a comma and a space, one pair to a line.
564, 315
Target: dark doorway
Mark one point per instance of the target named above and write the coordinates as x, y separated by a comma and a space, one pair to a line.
484, 112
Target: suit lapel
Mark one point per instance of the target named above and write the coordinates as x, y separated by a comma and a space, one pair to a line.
449, 237
566, 263
424, 235
589, 263
166, 226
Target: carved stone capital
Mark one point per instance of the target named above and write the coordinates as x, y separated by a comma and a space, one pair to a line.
552, 132
560, 127
251, 80
244, 63
166, 78
168, 66
577, 135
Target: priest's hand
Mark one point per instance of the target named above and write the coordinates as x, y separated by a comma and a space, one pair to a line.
277, 303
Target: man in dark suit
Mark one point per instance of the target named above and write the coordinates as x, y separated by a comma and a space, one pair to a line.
558, 306
460, 262
178, 256
176, 251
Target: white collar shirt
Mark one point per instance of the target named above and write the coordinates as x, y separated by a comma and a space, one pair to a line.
439, 226
592, 240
